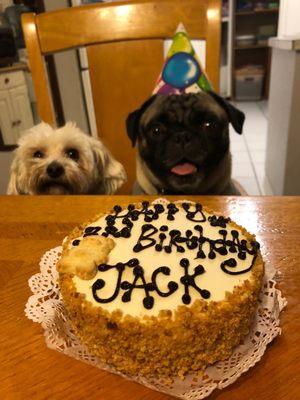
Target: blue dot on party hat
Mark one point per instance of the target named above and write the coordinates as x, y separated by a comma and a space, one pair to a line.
181, 70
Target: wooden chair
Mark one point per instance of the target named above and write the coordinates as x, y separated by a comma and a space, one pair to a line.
124, 43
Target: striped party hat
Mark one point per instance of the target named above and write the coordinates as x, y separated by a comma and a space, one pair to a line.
182, 70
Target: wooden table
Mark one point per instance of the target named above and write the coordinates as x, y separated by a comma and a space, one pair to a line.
29, 370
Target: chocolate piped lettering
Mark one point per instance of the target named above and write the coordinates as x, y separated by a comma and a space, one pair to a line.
139, 282
189, 281
145, 240
227, 243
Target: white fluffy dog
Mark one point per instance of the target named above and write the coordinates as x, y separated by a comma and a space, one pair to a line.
63, 161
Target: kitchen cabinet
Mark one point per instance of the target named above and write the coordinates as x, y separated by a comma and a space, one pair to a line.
15, 108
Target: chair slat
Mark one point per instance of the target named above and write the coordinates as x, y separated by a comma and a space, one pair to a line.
38, 70
79, 26
123, 76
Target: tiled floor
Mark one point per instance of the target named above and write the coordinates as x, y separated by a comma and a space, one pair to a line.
249, 149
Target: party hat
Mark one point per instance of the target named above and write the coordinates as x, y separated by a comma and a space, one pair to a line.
182, 71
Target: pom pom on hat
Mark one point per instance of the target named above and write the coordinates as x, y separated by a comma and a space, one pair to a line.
182, 71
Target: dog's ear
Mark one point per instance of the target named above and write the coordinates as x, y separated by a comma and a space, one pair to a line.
133, 120
15, 180
235, 116
12, 187
113, 172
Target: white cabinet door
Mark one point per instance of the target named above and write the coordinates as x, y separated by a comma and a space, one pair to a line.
7, 119
22, 110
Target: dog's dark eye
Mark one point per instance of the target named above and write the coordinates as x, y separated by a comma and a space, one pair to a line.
155, 130
38, 154
209, 125
73, 154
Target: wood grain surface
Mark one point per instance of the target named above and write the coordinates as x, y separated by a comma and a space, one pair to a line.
124, 20
29, 370
38, 70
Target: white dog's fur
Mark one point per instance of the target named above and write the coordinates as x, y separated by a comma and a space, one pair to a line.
94, 172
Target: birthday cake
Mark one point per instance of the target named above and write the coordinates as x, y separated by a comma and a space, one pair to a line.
162, 289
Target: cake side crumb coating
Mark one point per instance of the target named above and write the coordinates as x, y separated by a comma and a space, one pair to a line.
171, 344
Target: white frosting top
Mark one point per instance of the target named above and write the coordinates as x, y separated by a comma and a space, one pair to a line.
212, 279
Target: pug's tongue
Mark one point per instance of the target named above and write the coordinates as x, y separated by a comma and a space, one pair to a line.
184, 169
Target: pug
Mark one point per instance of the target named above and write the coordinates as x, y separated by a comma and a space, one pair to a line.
183, 144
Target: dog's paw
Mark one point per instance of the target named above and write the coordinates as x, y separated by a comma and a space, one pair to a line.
83, 259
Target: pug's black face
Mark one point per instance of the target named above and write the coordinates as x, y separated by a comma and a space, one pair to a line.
182, 138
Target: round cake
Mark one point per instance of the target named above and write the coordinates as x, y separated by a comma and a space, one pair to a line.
162, 289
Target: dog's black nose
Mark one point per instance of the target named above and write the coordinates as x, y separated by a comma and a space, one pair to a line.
183, 138
55, 170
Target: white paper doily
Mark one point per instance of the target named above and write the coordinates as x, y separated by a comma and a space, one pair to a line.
45, 306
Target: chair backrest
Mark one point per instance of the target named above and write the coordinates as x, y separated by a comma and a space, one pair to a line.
124, 43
